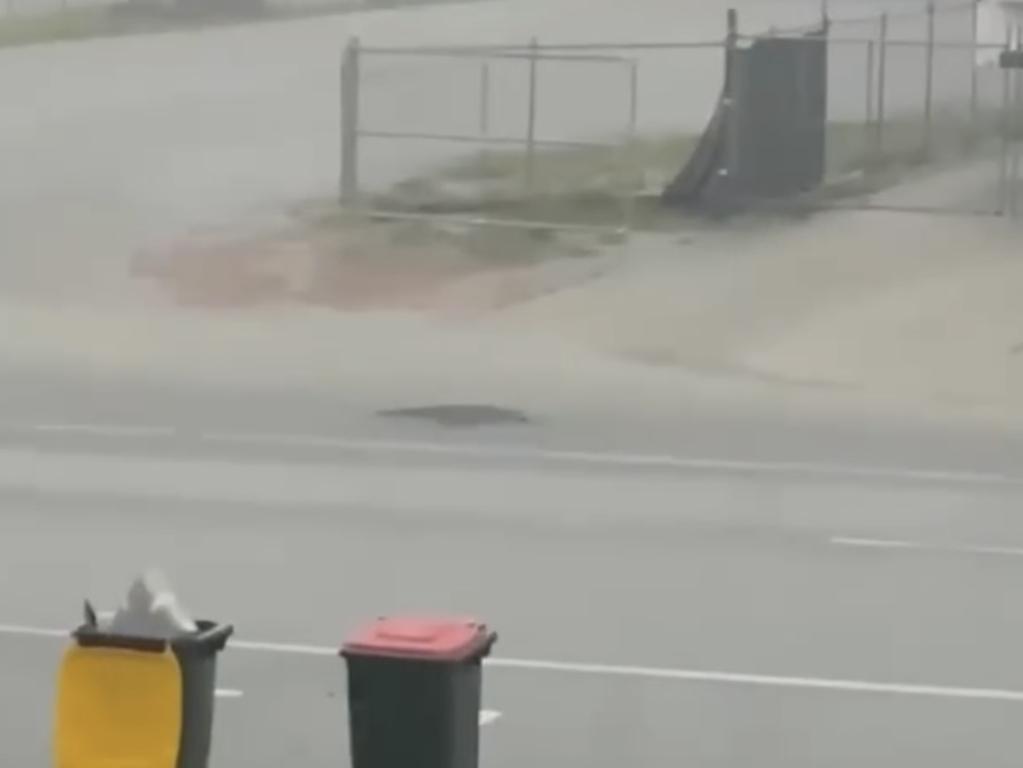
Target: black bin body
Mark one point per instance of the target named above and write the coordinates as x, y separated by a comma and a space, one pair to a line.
197, 658
414, 698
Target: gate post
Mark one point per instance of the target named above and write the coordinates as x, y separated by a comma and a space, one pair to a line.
929, 83
730, 156
534, 48
1006, 122
974, 82
484, 125
882, 82
869, 111
1016, 134
350, 122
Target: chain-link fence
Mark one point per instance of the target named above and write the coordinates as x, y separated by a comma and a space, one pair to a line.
478, 129
907, 89
558, 134
575, 134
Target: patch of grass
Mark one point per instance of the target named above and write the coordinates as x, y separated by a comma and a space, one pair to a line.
594, 186
69, 24
574, 168
853, 147
612, 187
353, 237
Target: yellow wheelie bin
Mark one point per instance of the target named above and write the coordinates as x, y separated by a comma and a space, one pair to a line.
136, 702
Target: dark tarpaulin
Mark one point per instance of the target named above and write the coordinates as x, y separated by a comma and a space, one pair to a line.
767, 137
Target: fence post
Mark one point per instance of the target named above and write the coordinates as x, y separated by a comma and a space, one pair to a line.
633, 97
485, 98
1005, 127
871, 75
632, 169
974, 81
882, 85
929, 82
350, 122
1014, 135
729, 169
531, 116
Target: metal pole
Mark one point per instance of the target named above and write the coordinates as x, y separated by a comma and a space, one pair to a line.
729, 169
731, 44
974, 82
633, 97
531, 116
882, 85
633, 172
869, 112
485, 99
350, 122
1017, 123
929, 84
1006, 127
1012, 151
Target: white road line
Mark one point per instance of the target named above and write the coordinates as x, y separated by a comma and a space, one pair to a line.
295, 649
488, 716
596, 458
25, 631
651, 673
106, 430
228, 693
766, 681
923, 546
624, 460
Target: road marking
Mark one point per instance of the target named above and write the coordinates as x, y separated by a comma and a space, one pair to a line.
765, 681
296, 649
228, 693
595, 458
106, 430
923, 546
488, 716
624, 460
651, 673
26, 631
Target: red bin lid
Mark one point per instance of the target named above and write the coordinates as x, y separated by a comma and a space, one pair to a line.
421, 638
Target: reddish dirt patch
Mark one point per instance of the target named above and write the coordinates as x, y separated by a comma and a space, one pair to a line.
359, 269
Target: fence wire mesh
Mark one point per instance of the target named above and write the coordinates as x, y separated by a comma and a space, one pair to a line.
544, 134
909, 90
565, 134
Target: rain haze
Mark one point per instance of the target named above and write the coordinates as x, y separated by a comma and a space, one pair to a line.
686, 356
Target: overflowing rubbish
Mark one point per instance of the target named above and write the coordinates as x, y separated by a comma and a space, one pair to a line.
137, 686
151, 610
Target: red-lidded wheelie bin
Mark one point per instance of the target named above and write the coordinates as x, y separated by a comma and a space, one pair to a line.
414, 692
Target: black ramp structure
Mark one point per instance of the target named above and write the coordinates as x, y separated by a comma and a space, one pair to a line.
688, 188
766, 139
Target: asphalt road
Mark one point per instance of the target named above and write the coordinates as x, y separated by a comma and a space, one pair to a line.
653, 611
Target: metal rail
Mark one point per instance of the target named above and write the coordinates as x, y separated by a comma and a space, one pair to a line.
460, 138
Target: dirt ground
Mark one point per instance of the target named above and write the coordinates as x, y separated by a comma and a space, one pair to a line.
348, 263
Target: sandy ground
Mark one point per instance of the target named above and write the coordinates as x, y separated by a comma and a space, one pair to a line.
120, 145
128, 145
845, 309
910, 306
